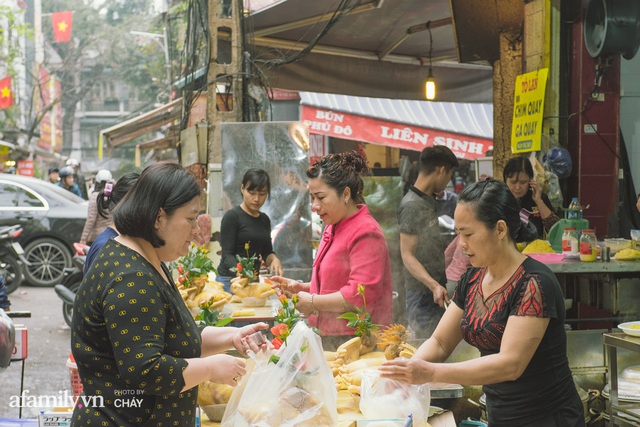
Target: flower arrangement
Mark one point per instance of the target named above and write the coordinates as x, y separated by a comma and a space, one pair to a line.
193, 265
211, 317
285, 319
246, 266
360, 319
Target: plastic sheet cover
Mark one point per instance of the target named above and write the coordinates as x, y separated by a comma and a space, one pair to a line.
279, 148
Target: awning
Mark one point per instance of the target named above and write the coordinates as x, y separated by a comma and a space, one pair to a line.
145, 123
378, 49
466, 128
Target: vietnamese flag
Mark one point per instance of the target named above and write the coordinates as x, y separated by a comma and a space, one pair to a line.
6, 95
62, 22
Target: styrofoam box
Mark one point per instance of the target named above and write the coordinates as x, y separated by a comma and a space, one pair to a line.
381, 422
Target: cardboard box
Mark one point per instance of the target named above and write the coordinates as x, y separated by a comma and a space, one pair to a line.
55, 419
21, 347
193, 143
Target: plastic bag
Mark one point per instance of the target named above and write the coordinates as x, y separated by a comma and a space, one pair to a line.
297, 391
539, 174
554, 193
558, 161
385, 398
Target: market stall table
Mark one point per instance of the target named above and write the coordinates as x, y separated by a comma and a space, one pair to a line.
262, 314
621, 414
349, 413
603, 293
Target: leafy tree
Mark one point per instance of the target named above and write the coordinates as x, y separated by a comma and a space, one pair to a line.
10, 53
101, 50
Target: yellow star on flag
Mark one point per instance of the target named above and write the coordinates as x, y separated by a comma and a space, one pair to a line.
62, 26
6, 92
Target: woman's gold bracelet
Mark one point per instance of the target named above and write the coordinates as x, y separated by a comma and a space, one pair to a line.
315, 310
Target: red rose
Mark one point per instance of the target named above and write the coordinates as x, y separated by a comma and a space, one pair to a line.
277, 343
239, 267
181, 279
180, 269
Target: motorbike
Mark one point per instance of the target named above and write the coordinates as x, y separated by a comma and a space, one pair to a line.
12, 259
71, 280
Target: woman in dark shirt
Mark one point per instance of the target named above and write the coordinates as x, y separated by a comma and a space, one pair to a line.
511, 308
139, 353
245, 224
518, 175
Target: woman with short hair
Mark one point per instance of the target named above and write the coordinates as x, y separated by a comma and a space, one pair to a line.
132, 335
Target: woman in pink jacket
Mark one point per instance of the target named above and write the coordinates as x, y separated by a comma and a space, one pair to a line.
352, 251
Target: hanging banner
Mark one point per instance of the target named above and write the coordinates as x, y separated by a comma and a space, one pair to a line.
51, 123
391, 134
528, 109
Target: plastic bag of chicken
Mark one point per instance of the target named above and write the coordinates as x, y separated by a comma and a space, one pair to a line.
291, 387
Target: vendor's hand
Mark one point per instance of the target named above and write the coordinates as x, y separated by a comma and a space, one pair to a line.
440, 295
225, 369
537, 192
412, 371
242, 343
304, 305
288, 286
276, 267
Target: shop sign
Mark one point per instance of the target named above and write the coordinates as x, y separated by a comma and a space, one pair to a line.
528, 109
391, 134
25, 167
318, 147
283, 95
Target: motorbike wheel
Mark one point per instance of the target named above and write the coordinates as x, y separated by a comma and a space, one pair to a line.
67, 309
48, 259
12, 272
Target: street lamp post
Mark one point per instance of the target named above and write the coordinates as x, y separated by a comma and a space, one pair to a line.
164, 46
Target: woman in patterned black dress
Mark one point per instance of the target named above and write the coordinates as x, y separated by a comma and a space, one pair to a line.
139, 353
511, 308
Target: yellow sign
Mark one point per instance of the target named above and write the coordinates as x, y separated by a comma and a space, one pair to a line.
528, 109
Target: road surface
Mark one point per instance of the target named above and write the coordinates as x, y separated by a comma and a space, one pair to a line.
46, 375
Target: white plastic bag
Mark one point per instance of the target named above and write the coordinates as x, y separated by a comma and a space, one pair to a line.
297, 391
385, 398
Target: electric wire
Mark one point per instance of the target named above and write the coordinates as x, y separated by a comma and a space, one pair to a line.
343, 9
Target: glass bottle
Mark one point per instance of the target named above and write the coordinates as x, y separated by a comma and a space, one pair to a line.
570, 245
588, 246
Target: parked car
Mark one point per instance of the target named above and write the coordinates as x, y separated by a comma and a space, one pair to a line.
52, 219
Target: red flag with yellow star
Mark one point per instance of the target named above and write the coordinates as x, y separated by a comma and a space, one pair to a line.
62, 22
6, 94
